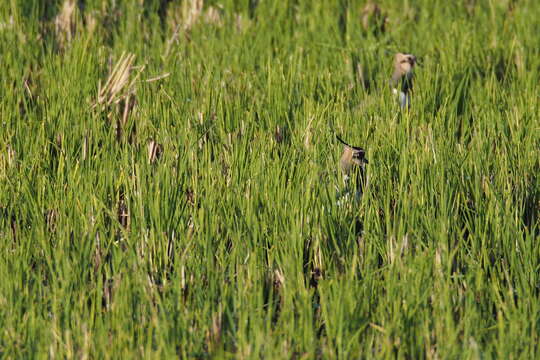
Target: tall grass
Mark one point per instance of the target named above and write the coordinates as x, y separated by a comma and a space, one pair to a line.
226, 241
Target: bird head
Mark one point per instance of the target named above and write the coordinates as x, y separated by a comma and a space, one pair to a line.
404, 63
352, 155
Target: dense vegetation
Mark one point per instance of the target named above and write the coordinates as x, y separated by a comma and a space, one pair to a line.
169, 170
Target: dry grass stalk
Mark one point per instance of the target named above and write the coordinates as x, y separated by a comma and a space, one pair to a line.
7, 25
8, 159
120, 83
213, 335
360, 78
519, 56
397, 251
123, 212
154, 151
163, 76
373, 18
191, 11
51, 217
171, 41
10, 155
30, 83
65, 23
128, 103
91, 22
308, 132
116, 97
185, 15
241, 22
213, 16
84, 152
97, 258
438, 261
279, 134
279, 279
59, 141
181, 18
190, 196
109, 288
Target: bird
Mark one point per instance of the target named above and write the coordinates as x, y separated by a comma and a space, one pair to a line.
402, 78
352, 163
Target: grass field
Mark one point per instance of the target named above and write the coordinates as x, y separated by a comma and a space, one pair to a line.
168, 180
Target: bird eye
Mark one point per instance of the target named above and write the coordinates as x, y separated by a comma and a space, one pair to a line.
404, 61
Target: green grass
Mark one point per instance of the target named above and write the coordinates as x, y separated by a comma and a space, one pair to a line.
234, 245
